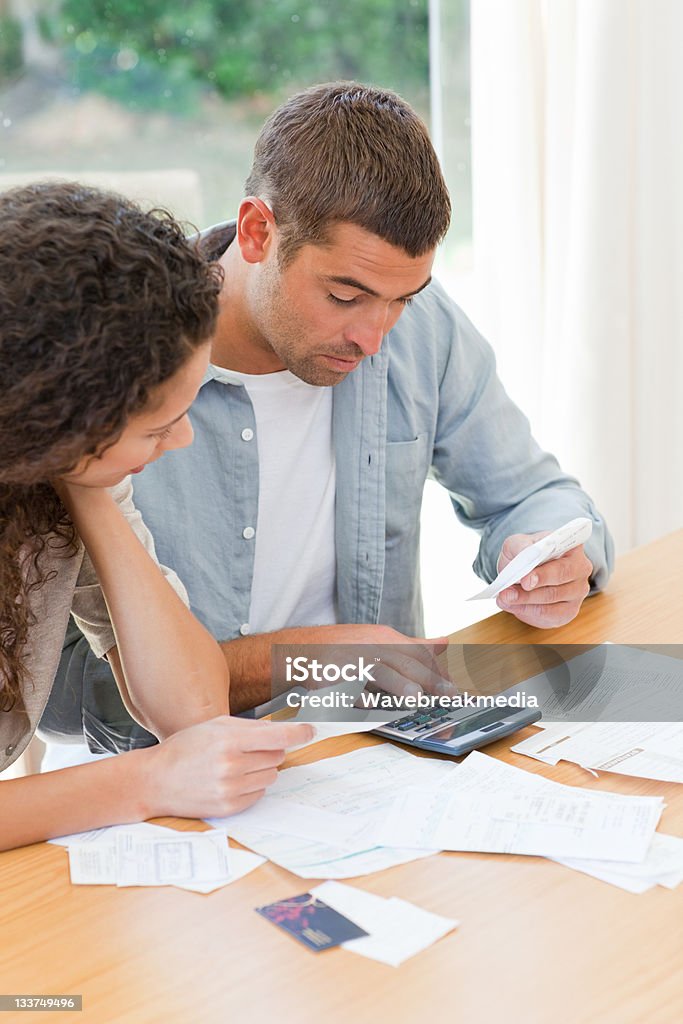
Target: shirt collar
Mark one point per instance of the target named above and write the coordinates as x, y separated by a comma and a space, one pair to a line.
213, 242
222, 375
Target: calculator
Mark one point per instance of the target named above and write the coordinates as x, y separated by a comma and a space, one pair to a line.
453, 732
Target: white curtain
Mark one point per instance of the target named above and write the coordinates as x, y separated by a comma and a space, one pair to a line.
577, 150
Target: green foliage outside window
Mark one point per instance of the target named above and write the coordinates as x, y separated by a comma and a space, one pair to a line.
10, 46
165, 53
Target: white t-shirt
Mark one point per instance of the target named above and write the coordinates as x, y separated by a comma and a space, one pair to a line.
295, 560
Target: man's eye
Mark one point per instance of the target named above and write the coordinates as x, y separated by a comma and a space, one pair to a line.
340, 302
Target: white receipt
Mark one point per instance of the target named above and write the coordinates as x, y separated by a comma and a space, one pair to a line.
558, 823
553, 546
96, 835
145, 854
92, 863
614, 683
396, 929
352, 787
181, 859
309, 859
329, 730
648, 750
663, 866
295, 819
360, 782
242, 862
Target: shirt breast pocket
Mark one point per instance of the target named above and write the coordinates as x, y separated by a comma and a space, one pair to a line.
407, 465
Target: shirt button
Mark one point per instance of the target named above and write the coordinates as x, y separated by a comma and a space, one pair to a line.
244, 629
10, 749
247, 434
248, 532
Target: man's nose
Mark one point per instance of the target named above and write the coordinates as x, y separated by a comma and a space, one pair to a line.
368, 333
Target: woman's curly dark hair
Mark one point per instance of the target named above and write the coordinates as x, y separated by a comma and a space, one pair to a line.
100, 303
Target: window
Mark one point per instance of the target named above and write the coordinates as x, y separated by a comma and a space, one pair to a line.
97, 85
173, 95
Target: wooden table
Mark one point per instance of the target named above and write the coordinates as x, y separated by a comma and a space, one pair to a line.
536, 943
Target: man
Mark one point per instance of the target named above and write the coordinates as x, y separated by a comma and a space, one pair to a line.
341, 376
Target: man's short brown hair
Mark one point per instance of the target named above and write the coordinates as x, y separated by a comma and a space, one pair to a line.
344, 152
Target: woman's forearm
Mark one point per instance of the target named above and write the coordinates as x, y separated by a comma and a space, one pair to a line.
112, 791
173, 670
210, 770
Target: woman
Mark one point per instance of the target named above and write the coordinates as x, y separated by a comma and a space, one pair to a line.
105, 318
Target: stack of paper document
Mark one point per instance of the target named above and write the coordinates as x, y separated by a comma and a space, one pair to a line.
396, 929
377, 807
144, 854
648, 750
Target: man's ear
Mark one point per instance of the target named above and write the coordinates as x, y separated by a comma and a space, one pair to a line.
256, 230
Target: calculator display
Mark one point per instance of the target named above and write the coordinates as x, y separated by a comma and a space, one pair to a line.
464, 726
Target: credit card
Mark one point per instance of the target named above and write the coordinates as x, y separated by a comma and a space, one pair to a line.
311, 921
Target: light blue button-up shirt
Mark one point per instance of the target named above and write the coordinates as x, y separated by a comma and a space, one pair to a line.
429, 403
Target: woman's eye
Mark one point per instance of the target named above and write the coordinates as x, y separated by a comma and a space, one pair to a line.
164, 433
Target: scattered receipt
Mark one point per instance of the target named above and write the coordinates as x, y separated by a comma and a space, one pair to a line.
181, 859
354, 787
553, 546
557, 823
648, 750
663, 864
396, 929
146, 855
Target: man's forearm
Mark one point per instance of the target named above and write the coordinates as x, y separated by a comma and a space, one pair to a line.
249, 657
249, 662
